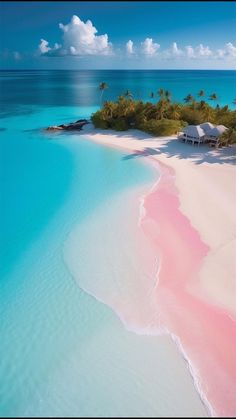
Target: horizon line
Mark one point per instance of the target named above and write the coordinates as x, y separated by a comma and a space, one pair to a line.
118, 69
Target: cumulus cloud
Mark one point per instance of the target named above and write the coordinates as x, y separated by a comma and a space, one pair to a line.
175, 51
198, 52
148, 47
202, 51
79, 38
44, 47
130, 47
190, 51
229, 51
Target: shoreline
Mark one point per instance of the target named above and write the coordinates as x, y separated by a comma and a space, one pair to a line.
135, 142
127, 295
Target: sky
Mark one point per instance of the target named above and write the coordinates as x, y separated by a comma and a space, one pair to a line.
118, 35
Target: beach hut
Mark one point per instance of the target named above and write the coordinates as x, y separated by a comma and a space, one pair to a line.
217, 131
214, 134
207, 126
194, 134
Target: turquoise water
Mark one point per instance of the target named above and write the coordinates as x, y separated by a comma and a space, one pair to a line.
47, 186
50, 183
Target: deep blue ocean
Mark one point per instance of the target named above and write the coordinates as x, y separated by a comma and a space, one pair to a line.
46, 187
80, 88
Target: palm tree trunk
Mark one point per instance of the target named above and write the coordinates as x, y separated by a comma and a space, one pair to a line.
101, 97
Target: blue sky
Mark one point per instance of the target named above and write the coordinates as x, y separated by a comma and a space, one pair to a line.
118, 35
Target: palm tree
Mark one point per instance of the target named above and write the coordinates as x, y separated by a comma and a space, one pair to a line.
208, 113
160, 93
234, 102
202, 105
109, 109
161, 108
201, 93
125, 106
174, 111
167, 95
189, 98
213, 96
128, 94
224, 109
102, 87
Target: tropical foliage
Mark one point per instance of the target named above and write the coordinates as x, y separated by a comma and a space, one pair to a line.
164, 117
229, 137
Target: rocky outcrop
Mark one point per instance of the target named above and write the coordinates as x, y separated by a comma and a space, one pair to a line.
72, 126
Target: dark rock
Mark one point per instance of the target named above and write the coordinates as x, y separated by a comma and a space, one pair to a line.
72, 126
82, 121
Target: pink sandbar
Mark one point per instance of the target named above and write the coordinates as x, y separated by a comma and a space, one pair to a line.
207, 334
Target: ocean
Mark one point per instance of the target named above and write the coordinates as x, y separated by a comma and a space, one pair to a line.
62, 351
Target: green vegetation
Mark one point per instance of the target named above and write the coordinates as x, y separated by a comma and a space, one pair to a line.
161, 126
163, 117
229, 137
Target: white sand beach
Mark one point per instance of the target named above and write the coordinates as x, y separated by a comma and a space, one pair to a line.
205, 179
194, 204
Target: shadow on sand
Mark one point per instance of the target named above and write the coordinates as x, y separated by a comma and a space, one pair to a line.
198, 155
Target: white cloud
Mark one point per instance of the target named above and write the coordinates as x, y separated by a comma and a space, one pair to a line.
202, 51
175, 51
190, 51
44, 46
230, 50
79, 38
149, 48
198, 52
130, 47
220, 53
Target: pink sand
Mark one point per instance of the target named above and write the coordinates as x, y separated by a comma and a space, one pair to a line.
196, 309
207, 334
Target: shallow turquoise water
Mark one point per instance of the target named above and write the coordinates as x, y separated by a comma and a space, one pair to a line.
48, 185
